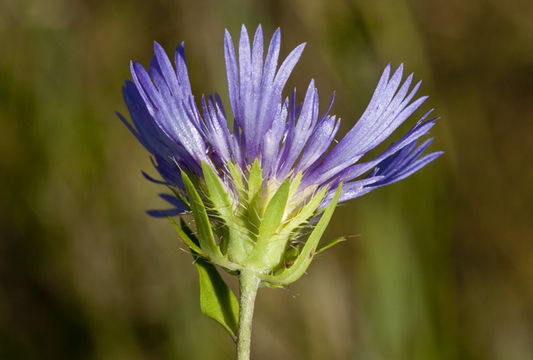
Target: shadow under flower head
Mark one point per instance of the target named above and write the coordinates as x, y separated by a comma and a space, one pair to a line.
275, 139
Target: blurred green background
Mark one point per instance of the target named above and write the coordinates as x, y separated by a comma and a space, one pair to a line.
439, 266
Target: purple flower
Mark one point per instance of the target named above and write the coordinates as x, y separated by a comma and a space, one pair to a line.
289, 139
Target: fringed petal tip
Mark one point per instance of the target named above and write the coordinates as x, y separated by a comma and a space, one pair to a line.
178, 208
164, 213
287, 136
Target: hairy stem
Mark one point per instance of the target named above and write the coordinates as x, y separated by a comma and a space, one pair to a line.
249, 283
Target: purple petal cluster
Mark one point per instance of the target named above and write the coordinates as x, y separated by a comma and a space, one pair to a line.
286, 136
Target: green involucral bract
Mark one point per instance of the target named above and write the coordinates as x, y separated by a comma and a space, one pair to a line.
246, 223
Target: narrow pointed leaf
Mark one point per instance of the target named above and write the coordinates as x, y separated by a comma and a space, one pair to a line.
274, 212
182, 198
266, 252
328, 244
187, 230
216, 299
205, 233
295, 183
308, 252
253, 210
217, 193
255, 180
306, 212
186, 239
235, 175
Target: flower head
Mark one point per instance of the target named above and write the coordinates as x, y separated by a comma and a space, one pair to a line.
257, 185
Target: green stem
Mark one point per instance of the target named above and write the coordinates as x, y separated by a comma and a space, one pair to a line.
249, 283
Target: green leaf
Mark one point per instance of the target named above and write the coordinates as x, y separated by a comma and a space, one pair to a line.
187, 230
329, 244
271, 220
186, 239
308, 252
295, 183
236, 175
232, 225
182, 198
253, 209
205, 233
267, 251
255, 180
216, 299
217, 193
306, 212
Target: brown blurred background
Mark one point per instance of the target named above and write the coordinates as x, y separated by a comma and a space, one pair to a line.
439, 266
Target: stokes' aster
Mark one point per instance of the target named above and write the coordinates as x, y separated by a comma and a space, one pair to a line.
252, 190
256, 186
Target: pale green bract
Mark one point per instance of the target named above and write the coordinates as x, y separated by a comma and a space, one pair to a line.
250, 228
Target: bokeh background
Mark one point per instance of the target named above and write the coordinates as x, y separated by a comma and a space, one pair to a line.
439, 266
